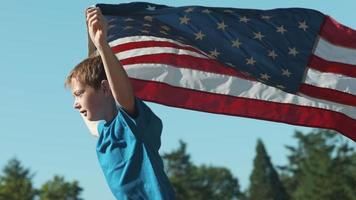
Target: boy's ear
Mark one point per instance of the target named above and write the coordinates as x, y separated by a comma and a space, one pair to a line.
105, 87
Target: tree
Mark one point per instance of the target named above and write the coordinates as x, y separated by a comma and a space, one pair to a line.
199, 182
59, 189
264, 180
322, 166
16, 182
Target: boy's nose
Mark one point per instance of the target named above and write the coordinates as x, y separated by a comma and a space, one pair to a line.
76, 105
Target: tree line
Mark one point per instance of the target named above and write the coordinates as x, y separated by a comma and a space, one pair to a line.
321, 166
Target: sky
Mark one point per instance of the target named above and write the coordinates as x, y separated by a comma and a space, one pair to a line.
40, 43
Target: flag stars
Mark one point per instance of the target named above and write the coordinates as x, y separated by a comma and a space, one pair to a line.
250, 61
228, 11
147, 25
236, 43
222, 26
166, 28
293, 51
303, 25
281, 29
214, 53
272, 54
266, 17
280, 86
206, 11
151, 8
188, 10
244, 19
184, 20
258, 35
145, 31
163, 32
265, 76
148, 18
128, 27
129, 20
199, 35
286, 72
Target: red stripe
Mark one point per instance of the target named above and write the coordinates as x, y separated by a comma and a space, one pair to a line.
146, 44
222, 104
338, 34
328, 94
185, 61
333, 67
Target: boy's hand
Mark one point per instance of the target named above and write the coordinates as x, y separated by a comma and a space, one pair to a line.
97, 27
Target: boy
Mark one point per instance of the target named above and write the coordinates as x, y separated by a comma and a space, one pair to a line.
129, 134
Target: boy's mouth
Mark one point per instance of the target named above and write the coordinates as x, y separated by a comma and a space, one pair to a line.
83, 112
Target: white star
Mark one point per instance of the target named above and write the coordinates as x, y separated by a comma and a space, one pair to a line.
266, 17
214, 53
228, 11
236, 43
166, 28
184, 20
303, 25
258, 35
250, 61
244, 19
222, 26
199, 35
189, 10
272, 54
148, 25
206, 11
127, 27
265, 76
129, 20
148, 18
151, 8
164, 32
281, 29
286, 72
145, 31
293, 51
280, 86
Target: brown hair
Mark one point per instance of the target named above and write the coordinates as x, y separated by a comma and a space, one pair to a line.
89, 72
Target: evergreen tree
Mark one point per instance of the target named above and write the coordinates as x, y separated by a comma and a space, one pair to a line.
264, 180
322, 166
59, 189
16, 182
193, 182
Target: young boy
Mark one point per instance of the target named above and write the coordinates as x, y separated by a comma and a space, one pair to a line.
129, 134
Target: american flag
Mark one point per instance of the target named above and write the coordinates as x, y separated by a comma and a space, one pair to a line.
296, 66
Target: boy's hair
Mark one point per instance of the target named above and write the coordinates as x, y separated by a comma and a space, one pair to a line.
89, 72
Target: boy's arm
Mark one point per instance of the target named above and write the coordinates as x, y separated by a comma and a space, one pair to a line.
119, 82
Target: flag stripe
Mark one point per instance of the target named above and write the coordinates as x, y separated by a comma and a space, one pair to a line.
227, 85
184, 61
335, 53
338, 34
331, 81
151, 43
333, 67
328, 94
244, 107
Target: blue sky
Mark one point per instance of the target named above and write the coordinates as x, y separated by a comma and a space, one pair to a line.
42, 40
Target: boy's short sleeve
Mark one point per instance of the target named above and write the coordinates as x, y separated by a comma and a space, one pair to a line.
145, 126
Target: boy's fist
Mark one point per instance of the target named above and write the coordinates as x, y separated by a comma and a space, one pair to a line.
97, 27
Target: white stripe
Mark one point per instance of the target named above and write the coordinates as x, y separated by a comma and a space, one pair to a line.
331, 81
334, 53
156, 50
144, 38
228, 85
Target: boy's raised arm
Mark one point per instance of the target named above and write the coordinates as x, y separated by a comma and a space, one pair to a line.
119, 82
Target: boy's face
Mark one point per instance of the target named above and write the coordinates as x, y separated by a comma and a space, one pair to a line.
88, 101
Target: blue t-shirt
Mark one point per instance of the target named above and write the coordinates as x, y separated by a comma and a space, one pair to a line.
127, 150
